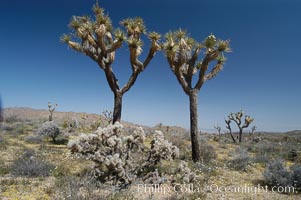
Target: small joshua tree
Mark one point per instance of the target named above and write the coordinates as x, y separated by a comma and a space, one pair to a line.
183, 54
108, 115
237, 118
51, 109
96, 38
218, 128
253, 129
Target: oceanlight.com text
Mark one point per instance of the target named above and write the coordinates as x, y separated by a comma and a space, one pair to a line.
213, 188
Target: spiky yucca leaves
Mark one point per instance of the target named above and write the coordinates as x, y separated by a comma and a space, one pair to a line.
96, 38
237, 118
183, 54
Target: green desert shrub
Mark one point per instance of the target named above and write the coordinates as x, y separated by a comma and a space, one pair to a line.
296, 176
49, 129
276, 174
34, 139
207, 153
4, 169
30, 165
77, 188
12, 119
241, 160
263, 159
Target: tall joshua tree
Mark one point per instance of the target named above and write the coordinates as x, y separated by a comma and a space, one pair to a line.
183, 56
96, 38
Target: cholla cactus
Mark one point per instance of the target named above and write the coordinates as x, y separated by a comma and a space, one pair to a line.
184, 58
161, 149
115, 153
96, 38
51, 109
185, 173
237, 118
49, 129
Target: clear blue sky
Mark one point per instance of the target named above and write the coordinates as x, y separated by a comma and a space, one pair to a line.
261, 76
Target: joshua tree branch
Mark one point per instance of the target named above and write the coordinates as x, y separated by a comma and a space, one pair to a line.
92, 41
116, 45
204, 66
192, 65
136, 64
182, 80
217, 68
130, 82
152, 51
101, 38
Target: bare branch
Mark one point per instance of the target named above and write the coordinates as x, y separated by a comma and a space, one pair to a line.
130, 82
210, 56
135, 63
182, 80
154, 48
116, 45
217, 68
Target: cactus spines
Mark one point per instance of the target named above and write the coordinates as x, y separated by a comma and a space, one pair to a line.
183, 56
237, 118
51, 109
96, 38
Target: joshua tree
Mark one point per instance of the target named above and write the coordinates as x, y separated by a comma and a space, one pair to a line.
228, 126
183, 54
253, 129
218, 128
108, 115
51, 109
237, 118
96, 38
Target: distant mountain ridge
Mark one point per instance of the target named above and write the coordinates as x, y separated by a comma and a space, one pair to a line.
35, 114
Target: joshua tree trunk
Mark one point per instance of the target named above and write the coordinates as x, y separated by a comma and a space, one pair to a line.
193, 99
117, 107
53, 140
232, 137
240, 134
